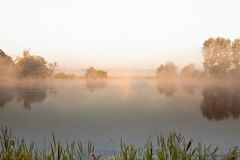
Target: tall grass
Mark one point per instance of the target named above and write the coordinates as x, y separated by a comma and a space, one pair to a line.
173, 147
14, 149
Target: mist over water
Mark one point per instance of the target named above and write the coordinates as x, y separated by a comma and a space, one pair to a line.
103, 111
113, 72
106, 71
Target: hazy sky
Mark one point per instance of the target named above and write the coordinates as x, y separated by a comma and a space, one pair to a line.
116, 33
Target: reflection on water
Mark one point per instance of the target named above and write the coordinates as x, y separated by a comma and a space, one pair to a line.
93, 84
189, 88
6, 95
167, 88
25, 93
220, 103
104, 111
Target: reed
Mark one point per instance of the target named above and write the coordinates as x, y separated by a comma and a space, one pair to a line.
173, 147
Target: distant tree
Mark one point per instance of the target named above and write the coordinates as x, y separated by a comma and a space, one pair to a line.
95, 74
101, 74
217, 56
190, 71
33, 66
91, 73
236, 54
6, 64
168, 69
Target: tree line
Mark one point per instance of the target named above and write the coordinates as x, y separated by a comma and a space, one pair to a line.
170, 70
27, 65
221, 58
32, 66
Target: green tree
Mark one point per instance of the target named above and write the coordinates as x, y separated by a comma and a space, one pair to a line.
33, 66
169, 69
217, 56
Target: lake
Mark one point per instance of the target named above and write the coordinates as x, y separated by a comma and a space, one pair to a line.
132, 109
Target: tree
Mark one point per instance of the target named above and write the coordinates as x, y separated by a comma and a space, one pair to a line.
95, 74
101, 74
91, 73
189, 71
52, 67
168, 69
236, 54
33, 66
6, 64
217, 56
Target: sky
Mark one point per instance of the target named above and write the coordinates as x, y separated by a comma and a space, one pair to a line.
126, 34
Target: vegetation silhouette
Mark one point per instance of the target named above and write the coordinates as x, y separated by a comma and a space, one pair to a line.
190, 71
217, 56
220, 103
34, 66
93, 73
173, 146
26, 66
6, 65
221, 56
169, 69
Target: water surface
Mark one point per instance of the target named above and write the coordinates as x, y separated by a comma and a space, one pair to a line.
132, 109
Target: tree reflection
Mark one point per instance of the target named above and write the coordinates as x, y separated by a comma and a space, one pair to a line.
6, 95
166, 88
25, 93
220, 103
31, 94
189, 88
93, 84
